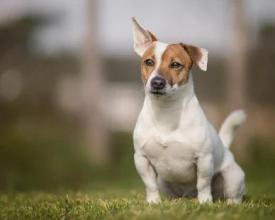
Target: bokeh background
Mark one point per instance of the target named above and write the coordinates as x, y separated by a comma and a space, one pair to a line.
70, 88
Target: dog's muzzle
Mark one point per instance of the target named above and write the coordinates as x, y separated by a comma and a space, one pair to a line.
157, 85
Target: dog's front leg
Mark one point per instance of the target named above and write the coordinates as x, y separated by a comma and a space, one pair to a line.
205, 170
149, 178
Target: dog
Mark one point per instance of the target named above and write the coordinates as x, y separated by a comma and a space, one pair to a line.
177, 151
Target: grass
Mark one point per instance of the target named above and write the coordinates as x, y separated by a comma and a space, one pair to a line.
125, 204
125, 199
49, 180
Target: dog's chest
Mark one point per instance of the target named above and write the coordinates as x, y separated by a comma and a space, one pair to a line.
174, 159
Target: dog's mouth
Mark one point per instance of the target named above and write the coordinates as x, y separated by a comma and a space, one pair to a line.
157, 92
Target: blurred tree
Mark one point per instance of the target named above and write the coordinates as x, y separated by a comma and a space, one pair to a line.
237, 62
237, 66
92, 90
261, 83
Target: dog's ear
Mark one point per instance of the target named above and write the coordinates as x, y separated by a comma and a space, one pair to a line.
198, 55
142, 37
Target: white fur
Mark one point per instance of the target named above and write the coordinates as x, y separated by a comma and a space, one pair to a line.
142, 38
159, 48
204, 59
229, 126
178, 152
158, 51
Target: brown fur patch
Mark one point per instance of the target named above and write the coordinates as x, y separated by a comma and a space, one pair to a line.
194, 52
175, 53
147, 70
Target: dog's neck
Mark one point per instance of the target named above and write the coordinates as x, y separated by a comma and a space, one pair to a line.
166, 111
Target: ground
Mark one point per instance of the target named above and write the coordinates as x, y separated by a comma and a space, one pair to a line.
39, 190
127, 202
126, 205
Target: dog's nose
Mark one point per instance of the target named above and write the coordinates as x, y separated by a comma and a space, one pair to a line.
158, 83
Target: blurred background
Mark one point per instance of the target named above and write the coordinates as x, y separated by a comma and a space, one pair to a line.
70, 88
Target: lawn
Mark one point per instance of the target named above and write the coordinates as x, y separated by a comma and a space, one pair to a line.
40, 191
124, 199
126, 204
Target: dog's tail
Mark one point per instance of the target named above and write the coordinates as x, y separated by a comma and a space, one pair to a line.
230, 125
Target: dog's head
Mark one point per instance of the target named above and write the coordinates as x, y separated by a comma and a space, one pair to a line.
165, 67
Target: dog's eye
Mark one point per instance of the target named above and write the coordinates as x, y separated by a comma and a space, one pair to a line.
149, 62
176, 65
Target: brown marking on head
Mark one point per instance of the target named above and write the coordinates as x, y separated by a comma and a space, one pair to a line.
183, 55
174, 63
194, 52
145, 69
175, 53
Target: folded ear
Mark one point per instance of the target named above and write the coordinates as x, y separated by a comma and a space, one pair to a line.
142, 37
198, 55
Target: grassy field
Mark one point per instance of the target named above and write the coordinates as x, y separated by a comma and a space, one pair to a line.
40, 191
124, 199
126, 204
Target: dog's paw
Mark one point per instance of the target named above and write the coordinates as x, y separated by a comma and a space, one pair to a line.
153, 198
205, 198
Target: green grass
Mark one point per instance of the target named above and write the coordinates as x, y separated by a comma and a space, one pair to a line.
125, 204
46, 177
125, 199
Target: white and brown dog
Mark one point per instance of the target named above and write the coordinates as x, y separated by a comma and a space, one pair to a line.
177, 151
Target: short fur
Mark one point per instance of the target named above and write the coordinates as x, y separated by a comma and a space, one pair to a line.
177, 151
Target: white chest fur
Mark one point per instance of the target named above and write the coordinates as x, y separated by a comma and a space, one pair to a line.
172, 135
173, 159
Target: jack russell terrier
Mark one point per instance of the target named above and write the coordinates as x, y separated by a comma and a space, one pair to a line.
177, 151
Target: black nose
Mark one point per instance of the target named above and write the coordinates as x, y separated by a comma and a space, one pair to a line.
158, 83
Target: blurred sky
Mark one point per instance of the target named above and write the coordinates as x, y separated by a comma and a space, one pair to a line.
205, 23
